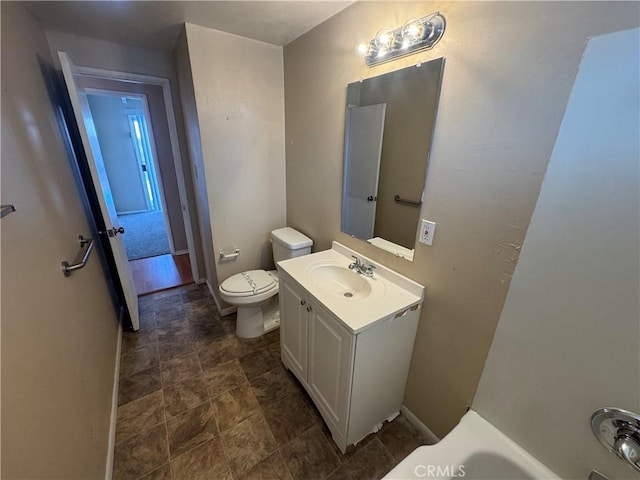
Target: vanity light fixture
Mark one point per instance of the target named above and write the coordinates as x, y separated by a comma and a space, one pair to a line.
415, 35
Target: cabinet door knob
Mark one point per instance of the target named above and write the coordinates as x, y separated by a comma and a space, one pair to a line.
302, 302
308, 309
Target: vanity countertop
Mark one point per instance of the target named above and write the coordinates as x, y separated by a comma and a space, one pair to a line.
366, 300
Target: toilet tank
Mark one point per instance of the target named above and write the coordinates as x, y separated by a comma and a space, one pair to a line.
289, 243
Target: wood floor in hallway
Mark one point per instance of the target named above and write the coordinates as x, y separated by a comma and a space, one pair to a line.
159, 273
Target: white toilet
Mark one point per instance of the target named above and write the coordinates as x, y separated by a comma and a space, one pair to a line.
253, 292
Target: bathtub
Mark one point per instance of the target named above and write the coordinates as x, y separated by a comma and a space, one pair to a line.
474, 449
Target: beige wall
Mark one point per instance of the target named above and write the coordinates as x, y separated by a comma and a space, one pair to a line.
567, 341
238, 87
59, 334
194, 143
90, 52
507, 77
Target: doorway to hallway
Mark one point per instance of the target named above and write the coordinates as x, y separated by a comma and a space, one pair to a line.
161, 216
125, 137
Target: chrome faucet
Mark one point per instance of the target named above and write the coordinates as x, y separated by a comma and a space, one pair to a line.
361, 268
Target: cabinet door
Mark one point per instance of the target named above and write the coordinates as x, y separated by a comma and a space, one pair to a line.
293, 328
330, 365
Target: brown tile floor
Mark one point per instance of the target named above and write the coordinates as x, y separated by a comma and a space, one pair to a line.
196, 402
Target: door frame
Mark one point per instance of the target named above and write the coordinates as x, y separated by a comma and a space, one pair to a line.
173, 138
157, 173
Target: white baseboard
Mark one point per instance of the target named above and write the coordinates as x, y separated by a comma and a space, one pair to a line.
111, 446
215, 297
223, 311
413, 420
181, 252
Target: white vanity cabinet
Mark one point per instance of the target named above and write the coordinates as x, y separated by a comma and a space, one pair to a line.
294, 334
355, 378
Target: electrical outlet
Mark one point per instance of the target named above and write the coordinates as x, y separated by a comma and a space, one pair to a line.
427, 229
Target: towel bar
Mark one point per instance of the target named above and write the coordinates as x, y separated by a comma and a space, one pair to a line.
407, 202
6, 210
68, 269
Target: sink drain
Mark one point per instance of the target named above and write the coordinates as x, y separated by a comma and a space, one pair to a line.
348, 294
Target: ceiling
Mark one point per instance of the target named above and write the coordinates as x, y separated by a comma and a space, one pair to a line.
156, 24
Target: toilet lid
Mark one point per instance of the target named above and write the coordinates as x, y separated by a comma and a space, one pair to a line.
248, 283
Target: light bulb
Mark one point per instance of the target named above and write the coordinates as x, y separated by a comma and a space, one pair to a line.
412, 31
384, 39
362, 48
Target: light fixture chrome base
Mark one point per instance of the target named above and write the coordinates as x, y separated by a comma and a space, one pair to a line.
397, 44
619, 432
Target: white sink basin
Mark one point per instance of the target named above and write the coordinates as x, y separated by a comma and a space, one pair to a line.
356, 300
340, 281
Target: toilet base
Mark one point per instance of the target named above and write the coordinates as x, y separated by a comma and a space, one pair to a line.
252, 322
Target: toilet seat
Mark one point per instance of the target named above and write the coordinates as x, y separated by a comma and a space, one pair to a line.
249, 287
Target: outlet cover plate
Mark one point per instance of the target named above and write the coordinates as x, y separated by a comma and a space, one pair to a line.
427, 230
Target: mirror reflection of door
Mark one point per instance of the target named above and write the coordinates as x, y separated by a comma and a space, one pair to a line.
365, 128
411, 98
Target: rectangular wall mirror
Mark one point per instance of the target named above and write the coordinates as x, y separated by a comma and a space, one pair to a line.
388, 130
